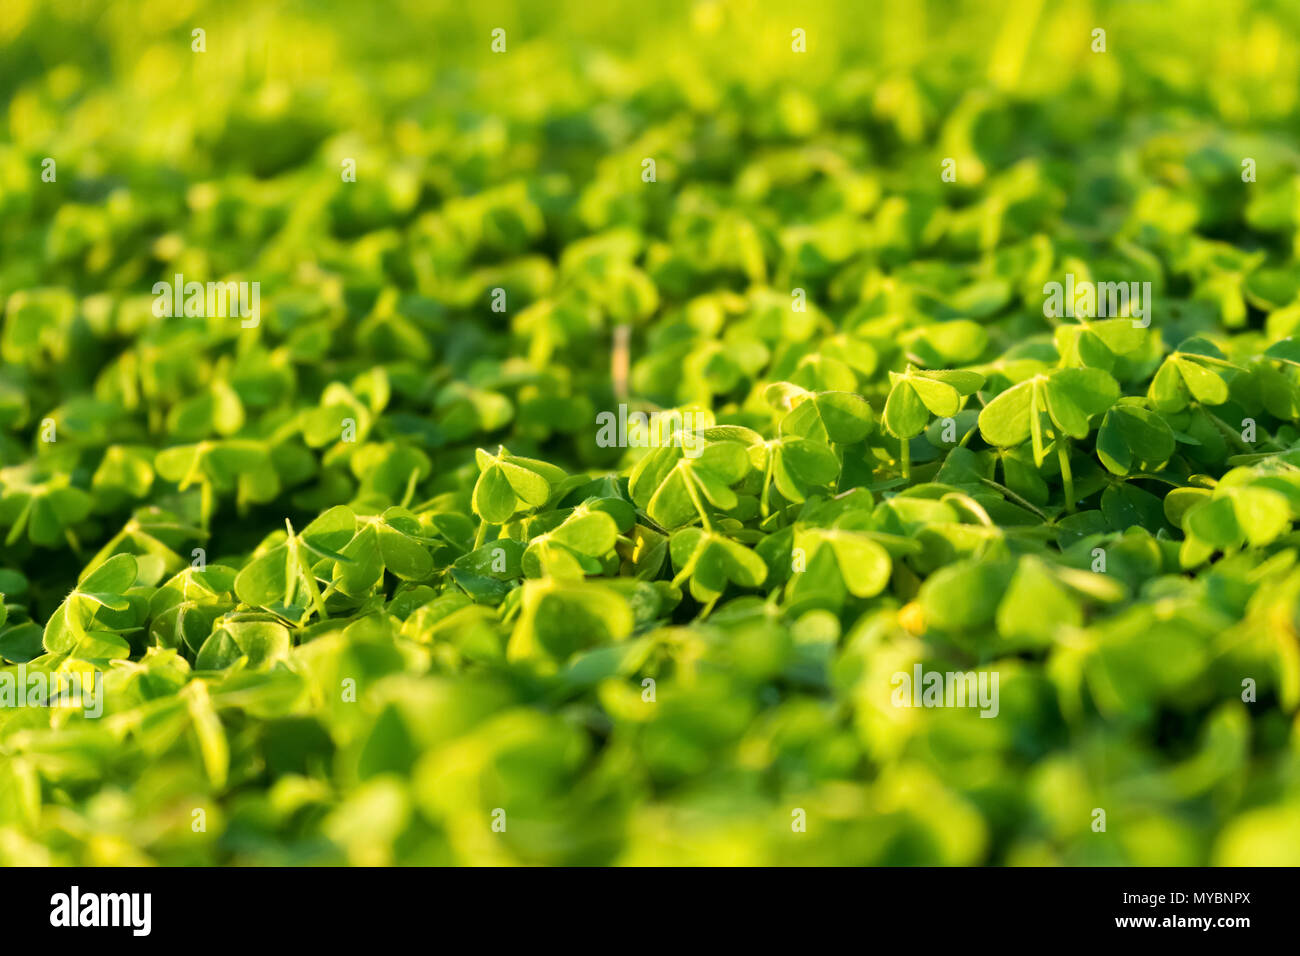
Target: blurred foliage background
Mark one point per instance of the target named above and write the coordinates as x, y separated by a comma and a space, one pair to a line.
477, 170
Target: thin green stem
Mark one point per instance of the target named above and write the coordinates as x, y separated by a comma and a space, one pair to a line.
205, 504
411, 482
1021, 501
1063, 455
20, 523
1229, 432
764, 507
313, 590
695, 500
303, 566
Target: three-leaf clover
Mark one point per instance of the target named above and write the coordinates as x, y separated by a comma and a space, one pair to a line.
508, 484
1240, 511
840, 417
1132, 435
572, 548
558, 617
861, 563
239, 464
711, 560
1194, 372
1062, 403
284, 577
90, 623
387, 542
915, 395
47, 507
672, 487
796, 467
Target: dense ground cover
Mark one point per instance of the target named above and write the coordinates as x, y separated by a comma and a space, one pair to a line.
366, 582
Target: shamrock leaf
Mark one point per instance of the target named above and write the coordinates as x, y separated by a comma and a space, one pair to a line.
91, 620
387, 542
795, 466
46, 508
260, 642
572, 548
861, 562
125, 472
559, 618
1060, 406
1036, 604
1098, 342
221, 466
486, 574
915, 395
1286, 350
1132, 435
672, 487
283, 576
1194, 372
964, 595
183, 609
508, 484
833, 416
341, 414
712, 560
1230, 518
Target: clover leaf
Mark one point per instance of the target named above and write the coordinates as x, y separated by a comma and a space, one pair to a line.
91, 621
45, 507
573, 548
711, 561
1059, 406
219, 466
508, 484
1194, 372
558, 618
796, 467
285, 575
916, 394
1130, 436
829, 416
388, 542
861, 562
675, 489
